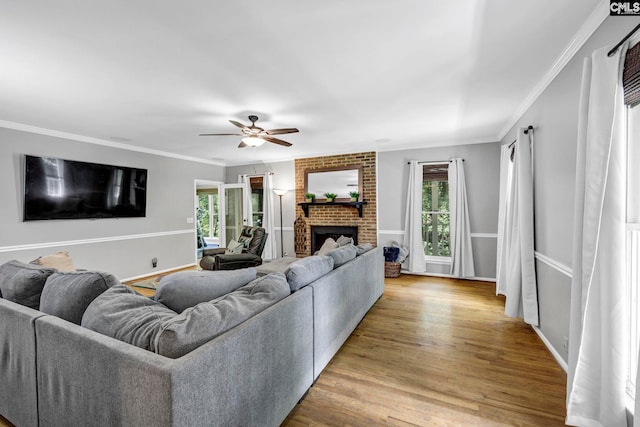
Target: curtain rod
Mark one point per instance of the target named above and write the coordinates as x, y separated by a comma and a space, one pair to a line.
526, 132
434, 162
615, 48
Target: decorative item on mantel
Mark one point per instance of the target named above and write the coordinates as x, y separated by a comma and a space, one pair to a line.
331, 197
309, 197
354, 196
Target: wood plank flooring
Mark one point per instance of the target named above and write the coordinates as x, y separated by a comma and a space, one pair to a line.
436, 352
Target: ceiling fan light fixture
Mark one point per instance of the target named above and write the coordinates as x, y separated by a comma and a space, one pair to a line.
253, 141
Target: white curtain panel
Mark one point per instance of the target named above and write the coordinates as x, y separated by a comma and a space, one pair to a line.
516, 277
459, 228
415, 262
505, 191
597, 345
268, 219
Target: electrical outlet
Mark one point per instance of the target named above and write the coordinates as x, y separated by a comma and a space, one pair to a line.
565, 343
154, 262
286, 253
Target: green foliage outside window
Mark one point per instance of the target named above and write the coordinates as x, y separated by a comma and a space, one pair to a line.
435, 218
205, 203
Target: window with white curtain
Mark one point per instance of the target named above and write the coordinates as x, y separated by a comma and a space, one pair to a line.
435, 210
633, 244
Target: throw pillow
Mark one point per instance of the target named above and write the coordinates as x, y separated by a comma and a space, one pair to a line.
185, 289
123, 314
61, 261
342, 241
22, 283
200, 324
234, 247
327, 246
67, 295
245, 240
306, 270
342, 255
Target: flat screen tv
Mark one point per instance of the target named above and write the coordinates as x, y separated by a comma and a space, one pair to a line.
68, 189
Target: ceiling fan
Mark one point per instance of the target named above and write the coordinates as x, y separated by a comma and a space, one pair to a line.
255, 136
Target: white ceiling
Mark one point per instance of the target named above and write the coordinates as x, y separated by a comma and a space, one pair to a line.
352, 76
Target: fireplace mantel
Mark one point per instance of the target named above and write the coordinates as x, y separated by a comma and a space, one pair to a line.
357, 205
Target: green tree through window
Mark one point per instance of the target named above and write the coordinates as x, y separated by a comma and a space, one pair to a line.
208, 215
435, 211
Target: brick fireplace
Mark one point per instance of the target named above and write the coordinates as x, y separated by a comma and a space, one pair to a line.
320, 233
327, 215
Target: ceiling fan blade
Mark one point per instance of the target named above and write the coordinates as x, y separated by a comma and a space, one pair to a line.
240, 125
276, 141
221, 134
242, 145
282, 131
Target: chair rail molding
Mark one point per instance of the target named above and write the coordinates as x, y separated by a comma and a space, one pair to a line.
95, 240
556, 265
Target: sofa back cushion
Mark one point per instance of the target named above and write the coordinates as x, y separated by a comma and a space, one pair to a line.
306, 270
185, 289
342, 255
365, 247
197, 325
67, 295
125, 315
22, 283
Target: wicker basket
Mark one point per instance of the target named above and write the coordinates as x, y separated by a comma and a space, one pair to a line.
392, 269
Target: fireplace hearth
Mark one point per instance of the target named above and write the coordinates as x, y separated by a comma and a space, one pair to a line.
320, 233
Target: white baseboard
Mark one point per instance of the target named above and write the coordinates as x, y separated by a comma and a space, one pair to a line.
552, 349
449, 276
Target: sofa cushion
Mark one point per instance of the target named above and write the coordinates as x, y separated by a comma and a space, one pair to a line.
342, 255
185, 289
306, 270
365, 247
197, 325
67, 295
123, 314
61, 261
22, 283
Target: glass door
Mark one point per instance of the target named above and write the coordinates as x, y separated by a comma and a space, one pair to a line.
234, 211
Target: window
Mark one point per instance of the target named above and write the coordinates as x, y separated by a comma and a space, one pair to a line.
257, 199
435, 210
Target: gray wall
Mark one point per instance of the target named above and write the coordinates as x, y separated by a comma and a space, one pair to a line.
482, 164
123, 247
283, 178
555, 118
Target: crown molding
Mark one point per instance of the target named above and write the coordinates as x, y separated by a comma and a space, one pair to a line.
587, 29
103, 142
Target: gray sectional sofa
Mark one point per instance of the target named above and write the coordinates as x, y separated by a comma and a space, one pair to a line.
56, 372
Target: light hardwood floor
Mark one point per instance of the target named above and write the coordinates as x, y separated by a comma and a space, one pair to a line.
436, 352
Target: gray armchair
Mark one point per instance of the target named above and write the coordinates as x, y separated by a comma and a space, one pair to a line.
251, 256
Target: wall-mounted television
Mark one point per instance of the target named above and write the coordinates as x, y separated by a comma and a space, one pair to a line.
69, 189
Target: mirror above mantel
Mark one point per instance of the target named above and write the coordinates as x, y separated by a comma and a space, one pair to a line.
338, 180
